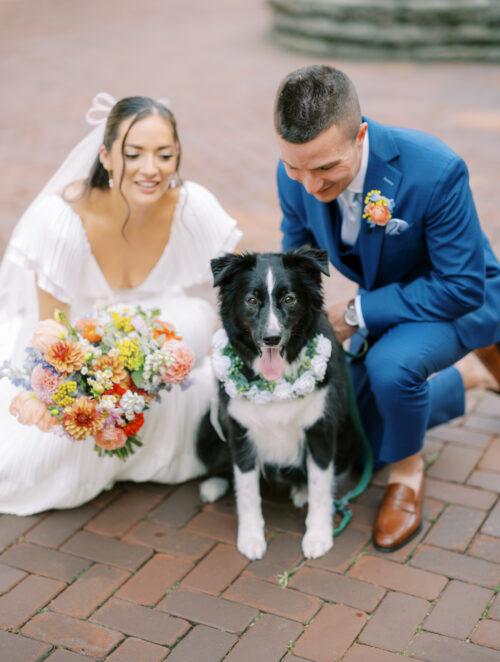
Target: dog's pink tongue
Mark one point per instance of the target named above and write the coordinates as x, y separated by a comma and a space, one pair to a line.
272, 364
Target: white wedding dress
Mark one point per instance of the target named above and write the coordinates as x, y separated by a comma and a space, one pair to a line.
39, 471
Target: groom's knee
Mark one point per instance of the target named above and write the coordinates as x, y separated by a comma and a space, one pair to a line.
390, 372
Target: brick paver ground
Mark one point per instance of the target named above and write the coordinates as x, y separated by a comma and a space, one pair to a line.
145, 571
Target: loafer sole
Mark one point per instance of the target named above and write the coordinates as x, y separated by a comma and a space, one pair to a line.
404, 542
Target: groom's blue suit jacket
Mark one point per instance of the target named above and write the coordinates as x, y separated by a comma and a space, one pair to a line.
441, 267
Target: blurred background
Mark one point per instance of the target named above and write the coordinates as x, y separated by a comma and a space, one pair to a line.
220, 65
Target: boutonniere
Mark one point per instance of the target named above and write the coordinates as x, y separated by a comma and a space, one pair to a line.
378, 211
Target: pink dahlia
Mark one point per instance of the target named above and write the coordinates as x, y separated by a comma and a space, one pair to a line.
180, 364
45, 382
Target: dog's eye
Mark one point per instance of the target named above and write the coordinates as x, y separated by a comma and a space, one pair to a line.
290, 299
251, 300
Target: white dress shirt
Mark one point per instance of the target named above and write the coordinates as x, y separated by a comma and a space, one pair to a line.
351, 205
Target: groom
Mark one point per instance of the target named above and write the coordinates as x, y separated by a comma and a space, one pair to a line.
394, 210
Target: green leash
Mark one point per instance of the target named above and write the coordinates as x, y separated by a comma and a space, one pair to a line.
342, 505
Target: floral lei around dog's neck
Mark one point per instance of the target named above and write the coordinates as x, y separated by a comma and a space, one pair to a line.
299, 379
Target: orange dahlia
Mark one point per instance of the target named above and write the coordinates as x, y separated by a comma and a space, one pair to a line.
111, 362
81, 419
66, 356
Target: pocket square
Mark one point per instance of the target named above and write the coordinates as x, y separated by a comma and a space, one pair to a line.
396, 226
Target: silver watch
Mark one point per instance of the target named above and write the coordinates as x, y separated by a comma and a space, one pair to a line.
350, 314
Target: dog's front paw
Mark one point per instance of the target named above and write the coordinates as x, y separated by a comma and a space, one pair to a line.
252, 545
316, 543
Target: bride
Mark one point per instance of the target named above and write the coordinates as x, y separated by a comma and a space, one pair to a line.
114, 225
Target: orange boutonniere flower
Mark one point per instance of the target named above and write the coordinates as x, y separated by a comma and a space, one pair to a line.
378, 209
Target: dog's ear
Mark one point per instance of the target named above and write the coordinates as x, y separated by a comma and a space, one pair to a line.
225, 267
308, 257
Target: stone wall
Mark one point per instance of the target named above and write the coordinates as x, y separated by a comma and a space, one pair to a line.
390, 29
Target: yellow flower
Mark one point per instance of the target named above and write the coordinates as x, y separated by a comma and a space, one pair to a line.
65, 394
369, 195
122, 322
130, 353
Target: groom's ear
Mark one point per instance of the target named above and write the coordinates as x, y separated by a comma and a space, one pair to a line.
226, 267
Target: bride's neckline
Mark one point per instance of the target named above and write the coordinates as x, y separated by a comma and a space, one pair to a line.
173, 231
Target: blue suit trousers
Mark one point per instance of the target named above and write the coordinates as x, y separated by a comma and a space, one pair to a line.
406, 384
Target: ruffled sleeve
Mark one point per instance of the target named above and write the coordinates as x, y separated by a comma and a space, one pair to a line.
48, 242
203, 230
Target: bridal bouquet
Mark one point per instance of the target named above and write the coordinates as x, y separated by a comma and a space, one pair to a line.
97, 378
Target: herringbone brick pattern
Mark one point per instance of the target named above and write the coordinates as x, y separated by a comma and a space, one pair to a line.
145, 571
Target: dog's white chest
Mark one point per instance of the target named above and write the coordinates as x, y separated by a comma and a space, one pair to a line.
277, 428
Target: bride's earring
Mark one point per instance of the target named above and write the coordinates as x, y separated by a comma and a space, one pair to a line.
174, 181
110, 180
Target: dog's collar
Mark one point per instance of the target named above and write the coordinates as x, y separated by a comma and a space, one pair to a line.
299, 379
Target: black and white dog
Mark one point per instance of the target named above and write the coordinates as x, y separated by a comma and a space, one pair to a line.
271, 307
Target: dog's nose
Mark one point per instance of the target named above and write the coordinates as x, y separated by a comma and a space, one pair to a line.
272, 341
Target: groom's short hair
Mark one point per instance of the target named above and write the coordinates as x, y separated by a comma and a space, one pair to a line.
312, 99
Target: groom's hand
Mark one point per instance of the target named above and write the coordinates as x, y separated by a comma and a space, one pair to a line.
336, 316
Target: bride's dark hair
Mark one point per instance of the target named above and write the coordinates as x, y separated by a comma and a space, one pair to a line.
138, 108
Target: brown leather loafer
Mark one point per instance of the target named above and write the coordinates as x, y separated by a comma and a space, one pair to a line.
490, 358
399, 518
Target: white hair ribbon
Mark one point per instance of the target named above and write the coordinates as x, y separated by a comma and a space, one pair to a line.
165, 101
102, 104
